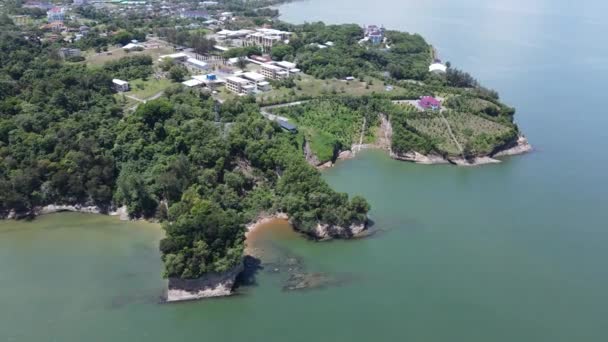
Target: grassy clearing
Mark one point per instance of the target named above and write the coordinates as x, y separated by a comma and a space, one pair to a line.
145, 89
308, 86
113, 53
322, 144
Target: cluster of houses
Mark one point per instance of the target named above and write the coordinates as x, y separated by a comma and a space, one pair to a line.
240, 83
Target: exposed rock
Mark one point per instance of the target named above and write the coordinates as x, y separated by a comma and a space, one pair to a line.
521, 146
207, 286
474, 161
121, 212
311, 158
56, 208
327, 165
419, 158
348, 154
326, 231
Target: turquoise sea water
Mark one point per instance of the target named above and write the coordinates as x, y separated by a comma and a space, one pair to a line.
508, 252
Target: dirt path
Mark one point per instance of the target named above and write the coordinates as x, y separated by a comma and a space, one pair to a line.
357, 147
447, 124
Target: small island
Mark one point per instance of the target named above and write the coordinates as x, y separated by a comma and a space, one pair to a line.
211, 128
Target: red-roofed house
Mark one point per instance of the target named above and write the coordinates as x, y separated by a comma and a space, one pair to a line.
429, 102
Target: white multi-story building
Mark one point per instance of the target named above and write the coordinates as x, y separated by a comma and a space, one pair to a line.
273, 72
240, 86
258, 79
266, 38
55, 14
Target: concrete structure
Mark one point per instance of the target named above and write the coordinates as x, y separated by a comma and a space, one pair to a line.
80, 2
195, 64
374, 34
229, 34
120, 85
259, 80
266, 38
240, 86
438, 68
287, 126
192, 83
38, 4
253, 76
133, 47
429, 102
273, 72
55, 14
286, 65
197, 14
67, 53
264, 86
210, 80
179, 57
55, 26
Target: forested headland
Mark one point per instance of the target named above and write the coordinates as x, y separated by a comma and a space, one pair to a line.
203, 170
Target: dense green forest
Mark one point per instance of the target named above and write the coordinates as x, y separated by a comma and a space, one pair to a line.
201, 169
407, 57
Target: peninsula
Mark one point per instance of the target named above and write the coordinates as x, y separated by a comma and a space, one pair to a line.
207, 126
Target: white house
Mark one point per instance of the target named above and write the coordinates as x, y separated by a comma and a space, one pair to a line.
132, 47
120, 85
438, 68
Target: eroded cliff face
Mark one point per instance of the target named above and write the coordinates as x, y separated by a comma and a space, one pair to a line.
207, 286
515, 147
326, 231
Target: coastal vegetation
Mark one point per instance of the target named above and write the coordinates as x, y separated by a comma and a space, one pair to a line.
203, 171
206, 166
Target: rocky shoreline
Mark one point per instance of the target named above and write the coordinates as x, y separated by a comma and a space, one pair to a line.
208, 286
521, 146
121, 212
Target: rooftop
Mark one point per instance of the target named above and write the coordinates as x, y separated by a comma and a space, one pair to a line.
286, 65
438, 67
239, 80
254, 76
286, 125
429, 102
196, 62
175, 55
192, 83
119, 82
271, 66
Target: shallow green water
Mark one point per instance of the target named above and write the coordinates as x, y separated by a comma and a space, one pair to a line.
510, 252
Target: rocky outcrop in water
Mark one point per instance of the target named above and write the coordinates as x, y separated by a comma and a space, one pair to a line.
325, 231
207, 286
